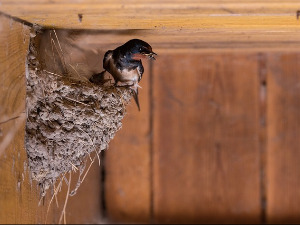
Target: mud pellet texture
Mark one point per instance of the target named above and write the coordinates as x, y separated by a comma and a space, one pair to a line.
67, 119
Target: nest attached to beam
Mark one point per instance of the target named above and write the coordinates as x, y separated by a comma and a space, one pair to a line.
67, 120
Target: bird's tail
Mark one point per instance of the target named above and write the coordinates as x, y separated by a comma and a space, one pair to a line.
136, 97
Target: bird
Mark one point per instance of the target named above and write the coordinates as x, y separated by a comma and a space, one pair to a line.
125, 65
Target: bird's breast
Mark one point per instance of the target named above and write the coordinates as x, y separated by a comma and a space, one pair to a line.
128, 75
121, 74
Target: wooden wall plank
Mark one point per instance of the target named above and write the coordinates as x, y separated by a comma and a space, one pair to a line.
283, 155
127, 163
206, 155
85, 206
18, 196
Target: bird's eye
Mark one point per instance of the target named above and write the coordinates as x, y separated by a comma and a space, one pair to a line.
140, 49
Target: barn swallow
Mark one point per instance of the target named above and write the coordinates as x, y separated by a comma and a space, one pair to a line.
125, 65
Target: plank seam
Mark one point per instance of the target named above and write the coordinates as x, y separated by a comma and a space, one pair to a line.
151, 99
103, 208
16, 19
262, 133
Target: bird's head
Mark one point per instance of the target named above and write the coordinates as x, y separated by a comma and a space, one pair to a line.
139, 49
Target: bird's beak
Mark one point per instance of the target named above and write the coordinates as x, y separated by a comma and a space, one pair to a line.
150, 55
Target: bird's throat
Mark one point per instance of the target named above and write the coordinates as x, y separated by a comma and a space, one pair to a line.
138, 56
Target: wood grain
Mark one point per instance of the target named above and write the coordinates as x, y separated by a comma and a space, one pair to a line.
206, 155
206, 165
85, 206
155, 14
127, 164
18, 196
246, 22
194, 40
283, 168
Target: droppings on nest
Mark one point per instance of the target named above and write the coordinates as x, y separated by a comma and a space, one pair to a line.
67, 118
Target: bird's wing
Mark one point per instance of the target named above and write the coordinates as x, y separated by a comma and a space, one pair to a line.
140, 70
106, 59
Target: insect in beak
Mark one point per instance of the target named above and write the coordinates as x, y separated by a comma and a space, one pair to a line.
150, 55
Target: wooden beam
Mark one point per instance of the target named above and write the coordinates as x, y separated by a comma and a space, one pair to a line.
155, 14
174, 26
190, 41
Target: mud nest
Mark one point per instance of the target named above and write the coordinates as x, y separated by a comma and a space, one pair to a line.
67, 119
